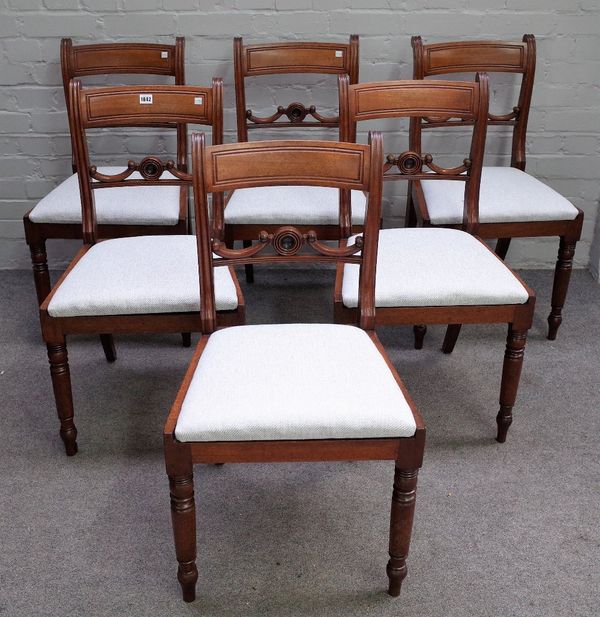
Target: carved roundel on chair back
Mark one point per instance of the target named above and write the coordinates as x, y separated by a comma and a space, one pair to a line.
151, 168
287, 241
410, 163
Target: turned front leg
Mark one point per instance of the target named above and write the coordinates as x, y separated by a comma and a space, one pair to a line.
39, 264
401, 522
63, 396
183, 515
511, 375
562, 276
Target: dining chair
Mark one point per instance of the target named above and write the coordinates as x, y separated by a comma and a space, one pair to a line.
140, 283
249, 211
279, 392
58, 215
437, 275
512, 203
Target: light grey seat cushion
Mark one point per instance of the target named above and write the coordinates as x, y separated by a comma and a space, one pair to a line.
293, 205
292, 381
506, 195
141, 275
435, 267
136, 205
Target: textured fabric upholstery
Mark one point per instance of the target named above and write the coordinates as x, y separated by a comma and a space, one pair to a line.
293, 205
136, 205
435, 267
141, 275
506, 195
292, 381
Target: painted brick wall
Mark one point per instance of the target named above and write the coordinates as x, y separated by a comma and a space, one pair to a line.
564, 130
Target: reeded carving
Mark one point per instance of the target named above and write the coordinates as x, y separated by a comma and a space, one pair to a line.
410, 163
150, 168
295, 113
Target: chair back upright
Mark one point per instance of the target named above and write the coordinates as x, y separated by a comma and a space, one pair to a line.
125, 58
481, 56
276, 163
416, 99
284, 58
134, 106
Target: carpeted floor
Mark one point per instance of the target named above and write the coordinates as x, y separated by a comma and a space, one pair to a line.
500, 530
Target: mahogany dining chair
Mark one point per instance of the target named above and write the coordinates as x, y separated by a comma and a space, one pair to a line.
290, 402
58, 214
437, 275
512, 203
248, 211
131, 284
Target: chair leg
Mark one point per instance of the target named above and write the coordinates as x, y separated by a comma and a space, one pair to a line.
410, 218
186, 339
108, 344
511, 374
183, 516
502, 246
562, 276
452, 332
401, 522
249, 268
39, 263
63, 396
419, 332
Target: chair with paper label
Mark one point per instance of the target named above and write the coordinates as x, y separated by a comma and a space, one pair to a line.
139, 283
164, 210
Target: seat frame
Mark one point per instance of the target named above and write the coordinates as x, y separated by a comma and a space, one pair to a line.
440, 59
280, 163
283, 58
113, 107
440, 99
109, 59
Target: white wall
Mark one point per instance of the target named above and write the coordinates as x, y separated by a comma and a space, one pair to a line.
564, 129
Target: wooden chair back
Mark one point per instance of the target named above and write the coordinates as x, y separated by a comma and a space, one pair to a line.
283, 58
277, 163
482, 56
124, 58
128, 106
415, 99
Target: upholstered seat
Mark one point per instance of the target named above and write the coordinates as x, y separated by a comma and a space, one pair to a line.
506, 195
435, 267
136, 205
140, 275
292, 205
293, 381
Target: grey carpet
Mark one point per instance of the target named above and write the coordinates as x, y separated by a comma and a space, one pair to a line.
504, 530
